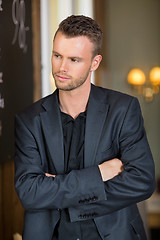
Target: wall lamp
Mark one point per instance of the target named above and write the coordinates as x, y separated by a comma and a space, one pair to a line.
148, 88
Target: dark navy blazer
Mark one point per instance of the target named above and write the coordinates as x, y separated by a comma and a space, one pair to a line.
114, 129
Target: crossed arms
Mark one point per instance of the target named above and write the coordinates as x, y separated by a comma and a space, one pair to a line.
108, 169
126, 181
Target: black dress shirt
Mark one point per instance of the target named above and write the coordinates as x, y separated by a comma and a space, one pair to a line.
74, 134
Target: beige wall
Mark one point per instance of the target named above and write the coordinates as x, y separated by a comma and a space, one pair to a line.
133, 40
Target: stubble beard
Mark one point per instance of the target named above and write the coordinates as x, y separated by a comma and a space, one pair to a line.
70, 84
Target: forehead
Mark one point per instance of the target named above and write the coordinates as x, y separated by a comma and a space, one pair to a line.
74, 45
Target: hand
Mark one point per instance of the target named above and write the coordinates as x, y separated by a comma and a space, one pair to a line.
49, 175
110, 169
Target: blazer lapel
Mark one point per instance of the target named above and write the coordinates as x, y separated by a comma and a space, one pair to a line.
96, 116
52, 128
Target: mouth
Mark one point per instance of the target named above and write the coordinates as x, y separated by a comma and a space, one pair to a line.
62, 78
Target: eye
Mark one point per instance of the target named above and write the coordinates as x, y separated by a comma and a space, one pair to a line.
74, 60
57, 56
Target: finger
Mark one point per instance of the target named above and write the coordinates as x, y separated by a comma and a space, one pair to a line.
49, 175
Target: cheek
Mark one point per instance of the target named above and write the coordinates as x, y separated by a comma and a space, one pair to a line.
85, 69
54, 65
77, 72
81, 69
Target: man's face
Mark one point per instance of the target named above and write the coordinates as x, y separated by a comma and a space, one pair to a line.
71, 61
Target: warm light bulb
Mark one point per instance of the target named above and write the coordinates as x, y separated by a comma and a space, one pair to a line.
136, 77
154, 76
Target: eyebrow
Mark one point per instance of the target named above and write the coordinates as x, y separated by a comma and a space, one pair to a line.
56, 53
71, 57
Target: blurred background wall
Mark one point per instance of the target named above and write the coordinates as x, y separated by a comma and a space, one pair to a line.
131, 40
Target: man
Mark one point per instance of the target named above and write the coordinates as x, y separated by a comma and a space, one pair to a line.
82, 159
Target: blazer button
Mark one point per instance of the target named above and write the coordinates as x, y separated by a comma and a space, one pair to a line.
94, 198
139, 237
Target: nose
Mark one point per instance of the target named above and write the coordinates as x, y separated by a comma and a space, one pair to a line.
64, 66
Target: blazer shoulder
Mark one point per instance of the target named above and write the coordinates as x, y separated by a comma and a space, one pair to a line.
35, 108
113, 96
119, 96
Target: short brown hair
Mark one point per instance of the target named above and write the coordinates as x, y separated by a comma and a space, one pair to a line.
79, 25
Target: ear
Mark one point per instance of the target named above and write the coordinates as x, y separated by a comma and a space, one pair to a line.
95, 62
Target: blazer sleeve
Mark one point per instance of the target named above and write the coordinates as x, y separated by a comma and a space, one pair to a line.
137, 182
36, 191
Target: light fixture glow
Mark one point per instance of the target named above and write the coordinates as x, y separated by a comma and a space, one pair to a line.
149, 88
136, 77
155, 75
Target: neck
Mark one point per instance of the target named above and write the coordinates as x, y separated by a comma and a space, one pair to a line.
75, 101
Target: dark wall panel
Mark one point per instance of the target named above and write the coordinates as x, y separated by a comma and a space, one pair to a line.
16, 68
